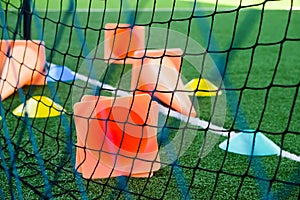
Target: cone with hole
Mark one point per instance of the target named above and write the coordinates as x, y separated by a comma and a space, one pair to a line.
121, 41
39, 107
116, 136
23, 64
202, 87
250, 143
157, 72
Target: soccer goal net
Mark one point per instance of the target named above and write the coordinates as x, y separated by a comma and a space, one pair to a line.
157, 99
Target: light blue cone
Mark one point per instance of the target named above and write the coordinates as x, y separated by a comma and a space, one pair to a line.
242, 144
60, 73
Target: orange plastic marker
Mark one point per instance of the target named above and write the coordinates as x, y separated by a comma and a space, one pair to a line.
158, 71
116, 136
5, 44
25, 67
122, 40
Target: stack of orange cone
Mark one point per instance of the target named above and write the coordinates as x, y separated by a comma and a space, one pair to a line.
158, 72
116, 136
24, 65
121, 41
153, 70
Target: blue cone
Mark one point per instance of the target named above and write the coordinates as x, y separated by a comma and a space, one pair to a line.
60, 73
242, 144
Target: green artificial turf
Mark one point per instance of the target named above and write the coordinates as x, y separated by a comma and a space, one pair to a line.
263, 71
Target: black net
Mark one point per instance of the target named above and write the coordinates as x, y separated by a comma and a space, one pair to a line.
98, 102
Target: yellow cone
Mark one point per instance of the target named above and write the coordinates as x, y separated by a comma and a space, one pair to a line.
205, 87
39, 107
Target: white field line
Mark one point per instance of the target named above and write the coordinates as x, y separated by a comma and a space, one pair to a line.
166, 111
107, 87
286, 154
269, 5
97, 10
219, 9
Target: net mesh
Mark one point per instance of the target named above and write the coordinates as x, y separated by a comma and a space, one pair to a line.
248, 50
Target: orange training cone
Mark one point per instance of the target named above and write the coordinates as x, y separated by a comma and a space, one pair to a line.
24, 67
121, 40
158, 71
116, 136
5, 45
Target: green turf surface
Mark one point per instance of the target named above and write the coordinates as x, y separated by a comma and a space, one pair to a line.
217, 175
